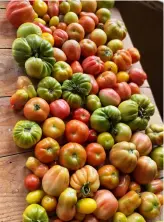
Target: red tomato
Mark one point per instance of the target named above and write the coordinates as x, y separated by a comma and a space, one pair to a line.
75, 31
95, 154
82, 115
47, 150
90, 14
60, 36
137, 76
134, 54
95, 87
59, 55
62, 26
122, 187
72, 46
93, 65
123, 90
92, 136
88, 47
123, 59
31, 182
36, 109
87, 23
60, 108
134, 88
43, 27
76, 131
76, 67
106, 79
53, 8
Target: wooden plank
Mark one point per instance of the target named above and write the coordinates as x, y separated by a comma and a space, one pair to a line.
3, 4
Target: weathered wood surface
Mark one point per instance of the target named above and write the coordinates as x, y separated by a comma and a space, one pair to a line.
12, 159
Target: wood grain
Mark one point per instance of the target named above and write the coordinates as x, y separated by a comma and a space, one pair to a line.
3, 4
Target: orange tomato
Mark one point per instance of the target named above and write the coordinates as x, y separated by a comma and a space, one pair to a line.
47, 36
122, 77
110, 66
49, 203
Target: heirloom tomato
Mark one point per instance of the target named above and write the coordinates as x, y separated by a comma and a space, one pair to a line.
75, 6
60, 108
109, 97
158, 155
123, 90
123, 59
26, 133
135, 186
47, 150
49, 203
28, 28
106, 79
98, 36
93, 65
54, 21
122, 188
53, 8
150, 205
76, 131
23, 81
53, 127
95, 154
110, 66
62, 26
95, 87
87, 23
103, 14
35, 196
92, 137
105, 4
115, 29
136, 217
81, 114
124, 156
62, 71
35, 212
56, 180
76, 67
119, 217
134, 54
43, 27
109, 176
90, 218
75, 31
142, 142
86, 206
88, 47
47, 36
160, 198
145, 170
106, 140
39, 20
122, 77
107, 204
104, 53
60, 36
72, 46
36, 109
70, 17
59, 55
156, 133
93, 102
66, 207
46, 17
155, 186
89, 6
40, 7
134, 88
64, 7
115, 45
19, 99
121, 132
31, 182
85, 181
90, 14
72, 156
137, 76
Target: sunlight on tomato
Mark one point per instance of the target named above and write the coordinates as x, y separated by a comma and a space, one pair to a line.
122, 77
110, 66
47, 36
49, 203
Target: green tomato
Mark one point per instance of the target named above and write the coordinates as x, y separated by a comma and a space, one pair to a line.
121, 132
70, 17
119, 217
105, 4
129, 110
136, 217
62, 71
54, 21
26, 133
93, 102
106, 140
103, 15
28, 28
49, 89
35, 213
74, 100
35, 196
157, 155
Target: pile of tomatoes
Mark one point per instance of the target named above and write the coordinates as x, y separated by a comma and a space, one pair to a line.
84, 117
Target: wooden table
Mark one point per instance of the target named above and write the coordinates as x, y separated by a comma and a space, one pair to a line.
12, 159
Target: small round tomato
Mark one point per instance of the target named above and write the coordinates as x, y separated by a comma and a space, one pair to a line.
134, 54
60, 108
134, 186
122, 77
47, 150
115, 45
49, 203
106, 140
86, 206
53, 28
46, 18
62, 26
92, 136
59, 55
72, 156
35, 196
32, 182
76, 67
47, 36
88, 47
87, 23
110, 66
134, 88
82, 115
53, 127
39, 20
64, 7
98, 36
54, 21
76, 131
95, 154
36, 109
40, 7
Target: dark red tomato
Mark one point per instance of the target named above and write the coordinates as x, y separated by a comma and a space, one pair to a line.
92, 136
32, 182
60, 108
82, 115
76, 131
95, 154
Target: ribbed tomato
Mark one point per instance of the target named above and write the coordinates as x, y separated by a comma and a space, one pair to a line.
123, 59
106, 80
123, 90
60, 36
93, 65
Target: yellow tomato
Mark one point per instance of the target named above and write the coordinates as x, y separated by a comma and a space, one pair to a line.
110, 66
47, 36
35, 197
46, 18
49, 203
86, 206
54, 21
35, 15
40, 7
122, 77
40, 21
